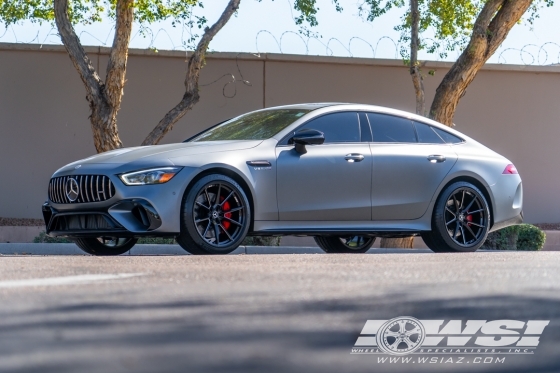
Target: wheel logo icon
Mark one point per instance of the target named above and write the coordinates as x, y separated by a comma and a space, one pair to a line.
400, 336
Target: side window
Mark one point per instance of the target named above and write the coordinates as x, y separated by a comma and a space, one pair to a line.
364, 128
389, 128
337, 127
426, 134
447, 137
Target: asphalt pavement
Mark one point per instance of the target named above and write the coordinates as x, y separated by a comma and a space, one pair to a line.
261, 313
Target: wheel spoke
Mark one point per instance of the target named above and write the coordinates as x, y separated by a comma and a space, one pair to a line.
470, 204
390, 333
201, 205
451, 212
224, 201
451, 221
463, 234
218, 195
207, 196
226, 232
474, 212
470, 230
235, 209
217, 233
455, 203
201, 220
413, 331
402, 326
462, 200
407, 341
206, 230
233, 221
455, 232
478, 225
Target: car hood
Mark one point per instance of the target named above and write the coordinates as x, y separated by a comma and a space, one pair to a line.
159, 154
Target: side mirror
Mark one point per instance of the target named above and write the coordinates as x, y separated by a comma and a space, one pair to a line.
307, 137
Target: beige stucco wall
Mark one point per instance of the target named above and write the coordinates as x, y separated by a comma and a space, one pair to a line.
515, 110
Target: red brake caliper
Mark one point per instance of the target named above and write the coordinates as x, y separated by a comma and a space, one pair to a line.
226, 207
469, 219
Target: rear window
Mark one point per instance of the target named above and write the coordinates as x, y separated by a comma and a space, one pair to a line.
389, 128
426, 134
447, 137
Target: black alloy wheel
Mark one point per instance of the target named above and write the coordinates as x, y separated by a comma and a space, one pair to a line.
216, 216
461, 220
105, 246
344, 244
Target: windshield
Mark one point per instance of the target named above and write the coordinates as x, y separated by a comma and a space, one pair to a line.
259, 125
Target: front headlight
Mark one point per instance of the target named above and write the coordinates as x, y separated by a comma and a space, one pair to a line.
152, 176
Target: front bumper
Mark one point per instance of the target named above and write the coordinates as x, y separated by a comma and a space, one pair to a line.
127, 218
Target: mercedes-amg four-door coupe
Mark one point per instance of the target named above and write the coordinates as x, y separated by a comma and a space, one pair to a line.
342, 173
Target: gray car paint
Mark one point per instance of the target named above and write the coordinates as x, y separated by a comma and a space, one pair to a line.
318, 195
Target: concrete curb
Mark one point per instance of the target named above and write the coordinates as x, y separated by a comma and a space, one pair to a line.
72, 249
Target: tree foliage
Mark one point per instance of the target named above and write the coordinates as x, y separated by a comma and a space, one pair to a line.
86, 12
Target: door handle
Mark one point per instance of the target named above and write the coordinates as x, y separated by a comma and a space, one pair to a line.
435, 158
354, 157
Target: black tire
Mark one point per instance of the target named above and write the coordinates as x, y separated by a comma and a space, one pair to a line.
105, 246
460, 221
344, 245
206, 225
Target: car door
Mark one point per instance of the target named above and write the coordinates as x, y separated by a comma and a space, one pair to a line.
332, 181
410, 160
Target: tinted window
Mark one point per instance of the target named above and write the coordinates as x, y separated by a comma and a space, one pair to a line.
364, 128
447, 137
337, 127
388, 128
426, 134
258, 125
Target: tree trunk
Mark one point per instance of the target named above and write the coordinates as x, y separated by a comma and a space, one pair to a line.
195, 64
491, 27
104, 98
417, 79
418, 83
397, 243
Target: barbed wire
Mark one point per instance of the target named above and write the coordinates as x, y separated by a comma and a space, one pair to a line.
547, 53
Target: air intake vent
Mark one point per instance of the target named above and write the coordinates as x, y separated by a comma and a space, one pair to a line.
80, 189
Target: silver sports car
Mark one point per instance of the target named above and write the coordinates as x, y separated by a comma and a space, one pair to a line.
342, 173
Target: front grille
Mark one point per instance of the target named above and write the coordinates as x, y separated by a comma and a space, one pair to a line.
83, 222
91, 188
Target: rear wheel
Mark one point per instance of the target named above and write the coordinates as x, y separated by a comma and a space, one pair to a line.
460, 221
105, 246
345, 244
216, 216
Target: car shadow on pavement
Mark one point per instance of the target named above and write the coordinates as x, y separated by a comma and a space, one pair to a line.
241, 335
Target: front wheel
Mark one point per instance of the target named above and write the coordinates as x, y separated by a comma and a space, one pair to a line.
460, 221
344, 245
216, 216
105, 246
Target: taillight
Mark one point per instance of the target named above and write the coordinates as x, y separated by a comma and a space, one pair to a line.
510, 170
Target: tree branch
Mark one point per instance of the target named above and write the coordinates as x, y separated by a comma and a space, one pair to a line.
79, 58
196, 61
116, 68
491, 27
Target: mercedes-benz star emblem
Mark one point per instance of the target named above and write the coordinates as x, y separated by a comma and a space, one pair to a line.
72, 189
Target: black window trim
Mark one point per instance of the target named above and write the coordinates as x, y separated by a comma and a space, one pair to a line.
284, 140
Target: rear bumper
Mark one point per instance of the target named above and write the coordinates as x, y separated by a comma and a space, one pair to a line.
516, 220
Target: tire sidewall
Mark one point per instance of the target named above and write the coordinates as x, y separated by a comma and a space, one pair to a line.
187, 224
438, 223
